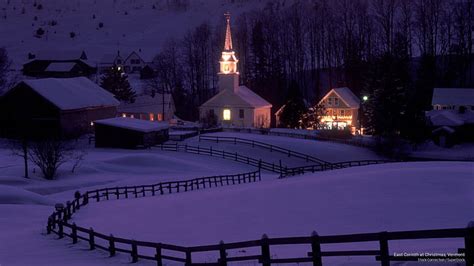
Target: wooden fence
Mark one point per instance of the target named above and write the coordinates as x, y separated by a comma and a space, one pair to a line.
58, 223
270, 147
283, 170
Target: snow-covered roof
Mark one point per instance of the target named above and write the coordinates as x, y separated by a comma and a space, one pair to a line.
59, 55
445, 129
147, 104
72, 93
60, 67
347, 96
449, 117
453, 96
252, 98
144, 126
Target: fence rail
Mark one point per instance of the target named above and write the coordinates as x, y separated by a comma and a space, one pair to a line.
283, 170
270, 147
58, 223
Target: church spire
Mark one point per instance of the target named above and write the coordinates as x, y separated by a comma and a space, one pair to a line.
228, 34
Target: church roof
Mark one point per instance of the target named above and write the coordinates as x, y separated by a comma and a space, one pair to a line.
252, 98
241, 97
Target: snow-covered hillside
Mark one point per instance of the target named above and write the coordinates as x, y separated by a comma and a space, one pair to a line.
104, 26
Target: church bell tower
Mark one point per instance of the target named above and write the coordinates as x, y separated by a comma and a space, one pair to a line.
228, 75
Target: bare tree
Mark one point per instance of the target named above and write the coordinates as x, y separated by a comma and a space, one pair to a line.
49, 155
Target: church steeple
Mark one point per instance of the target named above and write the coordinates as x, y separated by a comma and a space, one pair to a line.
228, 60
228, 34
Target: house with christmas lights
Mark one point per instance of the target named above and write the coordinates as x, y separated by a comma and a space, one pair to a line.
341, 107
235, 105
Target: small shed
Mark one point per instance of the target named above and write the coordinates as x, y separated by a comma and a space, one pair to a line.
129, 133
444, 136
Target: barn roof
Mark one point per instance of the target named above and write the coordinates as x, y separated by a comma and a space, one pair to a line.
144, 126
72, 93
63, 55
453, 96
60, 66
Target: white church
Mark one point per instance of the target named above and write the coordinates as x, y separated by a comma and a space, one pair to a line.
235, 105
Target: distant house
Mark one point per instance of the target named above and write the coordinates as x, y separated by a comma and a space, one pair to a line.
158, 107
452, 116
235, 105
131, 62
54, 64
54, 108
342, 109
128, 133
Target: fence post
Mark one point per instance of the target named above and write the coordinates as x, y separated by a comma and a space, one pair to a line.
74, 233
97, 195
384, 255
111, 246
68, 210
265, 259
91, 239
77, 196
223, 254
107, 194
117, 192
469, 244
86, 199
48, 227
60, 229
159, 260
134, 252
189, 260
316, 249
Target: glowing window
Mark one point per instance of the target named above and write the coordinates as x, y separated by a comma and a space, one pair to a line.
124, 115
152, 117
226, 114
159, 117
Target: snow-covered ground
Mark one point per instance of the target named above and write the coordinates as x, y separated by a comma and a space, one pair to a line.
363, 199
127, 25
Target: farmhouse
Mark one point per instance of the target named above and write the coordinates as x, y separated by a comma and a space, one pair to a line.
53, 64
452, 116
157, 107
129, 133
54, 108
131, 62
341, 107
235, 105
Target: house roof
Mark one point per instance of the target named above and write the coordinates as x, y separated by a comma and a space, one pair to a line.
60, 66
144, 126
450, 117
72, 93
147, 104
447, 129
252, 98
347, 96
453, 96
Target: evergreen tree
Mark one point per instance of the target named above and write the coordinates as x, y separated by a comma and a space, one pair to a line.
116, 82
295, 107
312, 118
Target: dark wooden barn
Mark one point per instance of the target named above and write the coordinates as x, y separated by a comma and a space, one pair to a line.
58, 65
54, 108
129, 133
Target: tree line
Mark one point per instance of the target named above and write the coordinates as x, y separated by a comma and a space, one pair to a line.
394, 51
